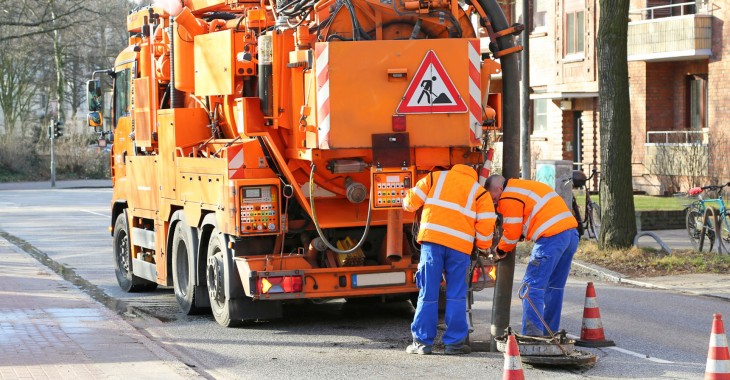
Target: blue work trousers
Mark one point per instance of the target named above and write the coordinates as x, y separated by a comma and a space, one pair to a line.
546, 276
435, 260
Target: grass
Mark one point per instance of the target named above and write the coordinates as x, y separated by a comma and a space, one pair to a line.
648, 202
647, 262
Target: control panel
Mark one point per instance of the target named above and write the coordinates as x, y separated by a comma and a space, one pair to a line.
259, 209
390, 186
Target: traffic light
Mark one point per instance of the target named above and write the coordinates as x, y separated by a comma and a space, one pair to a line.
57, 129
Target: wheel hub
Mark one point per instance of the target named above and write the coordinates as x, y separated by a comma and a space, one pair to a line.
215, 277
123, 257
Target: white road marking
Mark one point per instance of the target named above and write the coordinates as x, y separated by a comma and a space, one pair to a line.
627, 352
632, 353
96, 213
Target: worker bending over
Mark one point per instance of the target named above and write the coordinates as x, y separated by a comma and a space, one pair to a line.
455, 210
534, 211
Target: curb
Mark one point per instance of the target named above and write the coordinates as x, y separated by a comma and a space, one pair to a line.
611, 276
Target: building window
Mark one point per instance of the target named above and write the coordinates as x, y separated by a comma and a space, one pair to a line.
574, 32
697, 102
539, 16
540, 115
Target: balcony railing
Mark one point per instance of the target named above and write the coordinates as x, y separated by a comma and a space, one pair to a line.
662, 11
674, 32
677, 137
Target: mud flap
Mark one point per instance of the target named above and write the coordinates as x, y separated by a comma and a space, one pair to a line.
248, 309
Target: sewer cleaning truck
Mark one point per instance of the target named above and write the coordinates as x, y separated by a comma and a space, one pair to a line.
261, 148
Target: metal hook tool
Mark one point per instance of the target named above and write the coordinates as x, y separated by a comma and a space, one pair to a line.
524, 295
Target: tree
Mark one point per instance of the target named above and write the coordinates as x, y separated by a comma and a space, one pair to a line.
618, 226
52, 47
17, 85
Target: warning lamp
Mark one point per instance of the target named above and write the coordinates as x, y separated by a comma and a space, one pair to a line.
478, 279
280, 284
399, 123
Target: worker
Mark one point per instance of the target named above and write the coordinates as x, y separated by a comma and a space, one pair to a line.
532, 210
457, 213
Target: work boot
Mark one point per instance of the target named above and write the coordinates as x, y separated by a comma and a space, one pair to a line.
457, 349
418, 348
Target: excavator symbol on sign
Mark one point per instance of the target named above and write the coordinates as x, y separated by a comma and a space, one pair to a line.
427, 86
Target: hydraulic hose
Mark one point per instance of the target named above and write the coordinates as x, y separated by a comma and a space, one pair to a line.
316, 222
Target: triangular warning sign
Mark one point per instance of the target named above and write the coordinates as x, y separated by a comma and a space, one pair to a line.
431, 90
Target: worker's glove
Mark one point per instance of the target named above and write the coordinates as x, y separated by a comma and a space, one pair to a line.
482, 252
500, 255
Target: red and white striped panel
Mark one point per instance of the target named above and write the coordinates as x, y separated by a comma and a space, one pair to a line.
323, 95
475, 92
235, 162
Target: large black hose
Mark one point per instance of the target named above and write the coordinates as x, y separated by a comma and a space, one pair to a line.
510, 162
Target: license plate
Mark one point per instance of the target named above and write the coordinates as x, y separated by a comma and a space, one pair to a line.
378, 279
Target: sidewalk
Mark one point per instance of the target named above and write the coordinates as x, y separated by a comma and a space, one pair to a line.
51, 330
70, 184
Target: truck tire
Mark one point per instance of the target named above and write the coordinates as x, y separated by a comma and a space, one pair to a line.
183, 269
123, 259
217, 272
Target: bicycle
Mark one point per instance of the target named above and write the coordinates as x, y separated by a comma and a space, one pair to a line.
717, 223
590, 222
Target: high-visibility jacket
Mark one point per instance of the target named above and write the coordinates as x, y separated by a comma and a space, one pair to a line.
456, 209
533, 210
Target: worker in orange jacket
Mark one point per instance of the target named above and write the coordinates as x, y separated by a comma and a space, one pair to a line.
457, 213
534, 211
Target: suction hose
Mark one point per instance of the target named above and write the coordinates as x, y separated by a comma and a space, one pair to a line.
510, 168
316, 222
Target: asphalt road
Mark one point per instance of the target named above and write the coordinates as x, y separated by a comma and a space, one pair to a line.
659, 334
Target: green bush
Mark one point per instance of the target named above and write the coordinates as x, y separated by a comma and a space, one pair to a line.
75, 159
20, 161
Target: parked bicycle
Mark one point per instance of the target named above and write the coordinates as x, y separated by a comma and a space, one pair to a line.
717, 223
590, 221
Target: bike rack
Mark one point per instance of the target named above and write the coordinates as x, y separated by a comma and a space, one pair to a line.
709, 212
661, 243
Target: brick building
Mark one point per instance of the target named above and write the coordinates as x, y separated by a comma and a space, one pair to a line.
678, 88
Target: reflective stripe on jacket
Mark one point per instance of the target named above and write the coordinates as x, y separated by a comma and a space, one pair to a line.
533, 210
456, 209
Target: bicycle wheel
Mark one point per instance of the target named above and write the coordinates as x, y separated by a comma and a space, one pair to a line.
695, 221
594, 220
576, 214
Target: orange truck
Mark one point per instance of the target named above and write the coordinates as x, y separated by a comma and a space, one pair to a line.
261, 149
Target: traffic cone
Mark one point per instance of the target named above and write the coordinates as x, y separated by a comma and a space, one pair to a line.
718, 357
591, 333
512, 361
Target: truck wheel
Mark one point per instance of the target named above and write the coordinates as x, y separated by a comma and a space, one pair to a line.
183, 268
217, 273
123, 259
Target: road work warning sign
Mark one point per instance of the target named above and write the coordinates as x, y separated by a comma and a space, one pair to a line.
431, 90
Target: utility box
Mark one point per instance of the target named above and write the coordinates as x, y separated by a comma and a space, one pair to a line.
554, 173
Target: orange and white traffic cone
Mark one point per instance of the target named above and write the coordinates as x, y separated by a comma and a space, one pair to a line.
512, 361
718, 357
591, 333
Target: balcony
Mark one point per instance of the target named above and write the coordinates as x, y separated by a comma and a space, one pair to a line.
677, 32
